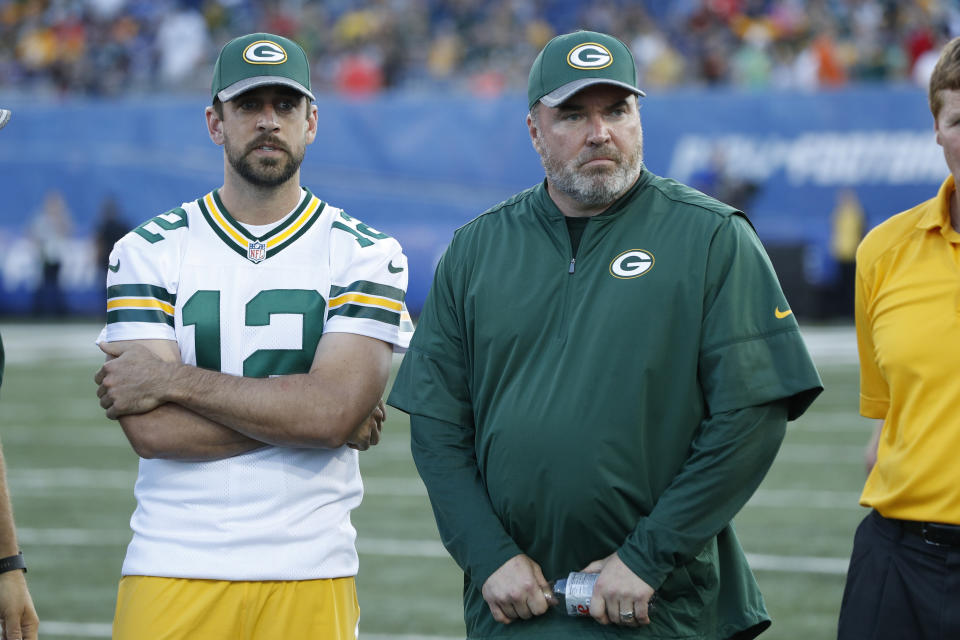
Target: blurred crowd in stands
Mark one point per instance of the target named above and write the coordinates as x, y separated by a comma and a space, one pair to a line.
359, 47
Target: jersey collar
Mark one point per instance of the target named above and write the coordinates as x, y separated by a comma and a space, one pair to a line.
257, 249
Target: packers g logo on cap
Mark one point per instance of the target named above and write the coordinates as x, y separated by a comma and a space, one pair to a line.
589, 55
264, 52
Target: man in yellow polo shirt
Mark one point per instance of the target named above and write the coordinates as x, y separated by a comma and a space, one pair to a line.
904, 576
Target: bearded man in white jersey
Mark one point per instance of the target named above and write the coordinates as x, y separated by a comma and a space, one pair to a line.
249, 337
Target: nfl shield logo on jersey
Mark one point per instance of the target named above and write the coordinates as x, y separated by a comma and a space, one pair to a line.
256, 251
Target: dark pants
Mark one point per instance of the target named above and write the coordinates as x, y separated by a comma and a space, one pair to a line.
48, 299
899, 586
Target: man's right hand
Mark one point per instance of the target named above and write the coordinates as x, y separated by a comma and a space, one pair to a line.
130, 381
517, 590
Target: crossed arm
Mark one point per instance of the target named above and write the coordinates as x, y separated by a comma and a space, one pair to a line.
171, 410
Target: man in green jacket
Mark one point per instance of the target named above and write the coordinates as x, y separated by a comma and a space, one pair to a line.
601, 377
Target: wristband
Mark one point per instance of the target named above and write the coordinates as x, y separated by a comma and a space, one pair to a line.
11, 563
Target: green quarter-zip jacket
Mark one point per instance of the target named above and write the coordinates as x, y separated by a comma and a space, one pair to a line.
627, 399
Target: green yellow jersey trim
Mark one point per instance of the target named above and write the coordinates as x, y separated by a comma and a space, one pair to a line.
365, 299
140, 303
256, 249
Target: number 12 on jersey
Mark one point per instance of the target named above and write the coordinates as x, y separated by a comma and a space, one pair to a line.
202, 311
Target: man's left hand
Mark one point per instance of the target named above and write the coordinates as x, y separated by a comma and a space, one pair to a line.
368, 433
131, 379
17, 612
620, 596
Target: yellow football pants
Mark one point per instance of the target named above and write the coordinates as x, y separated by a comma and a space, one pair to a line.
150, 608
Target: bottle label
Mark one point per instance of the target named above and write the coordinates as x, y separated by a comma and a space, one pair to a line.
578, 593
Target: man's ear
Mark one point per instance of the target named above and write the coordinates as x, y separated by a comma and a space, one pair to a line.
534, 134
311, 121
214, 126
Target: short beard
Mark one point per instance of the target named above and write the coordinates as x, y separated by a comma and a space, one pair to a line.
593, 187
266, 173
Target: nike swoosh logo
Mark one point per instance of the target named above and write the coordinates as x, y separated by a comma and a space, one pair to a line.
114, 267
393, 269
782, 314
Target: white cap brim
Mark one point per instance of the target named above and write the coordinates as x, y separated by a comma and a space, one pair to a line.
247, 84
562, 94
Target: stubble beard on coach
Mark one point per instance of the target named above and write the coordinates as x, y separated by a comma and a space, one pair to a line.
598, 186
263, 172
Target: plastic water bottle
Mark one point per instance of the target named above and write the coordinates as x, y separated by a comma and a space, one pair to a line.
573, 593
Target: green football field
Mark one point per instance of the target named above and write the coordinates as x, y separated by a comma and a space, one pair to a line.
71, 473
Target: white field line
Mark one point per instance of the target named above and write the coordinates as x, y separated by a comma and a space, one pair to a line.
64, 436
392, 547
60, 629
805, 499
831, 345
388, 636
16, 406
834, 422
36, 481
67, 478
73, 537
85, 478
821, 453
394, 487
798, 564
392, 445
26, 343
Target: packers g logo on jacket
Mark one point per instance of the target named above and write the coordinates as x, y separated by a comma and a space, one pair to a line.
631, 264
264, 52
589, 55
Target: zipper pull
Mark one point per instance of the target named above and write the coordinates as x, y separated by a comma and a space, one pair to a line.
573, 263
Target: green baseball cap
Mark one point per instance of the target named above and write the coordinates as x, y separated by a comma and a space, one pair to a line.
577, 60
259, 59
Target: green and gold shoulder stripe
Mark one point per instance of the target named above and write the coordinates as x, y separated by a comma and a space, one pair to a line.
255, 249
140, 303
365, 299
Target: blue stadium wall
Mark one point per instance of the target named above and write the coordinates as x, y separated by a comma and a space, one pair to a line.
419, 166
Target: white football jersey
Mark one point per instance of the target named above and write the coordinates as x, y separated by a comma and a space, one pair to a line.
255, 306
